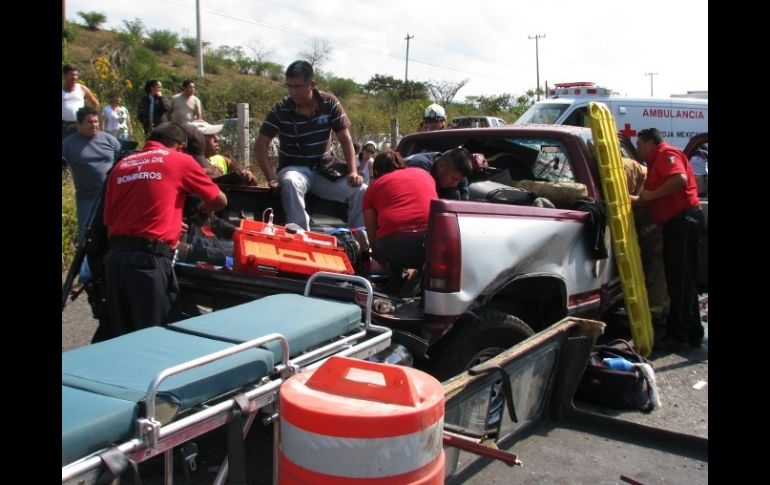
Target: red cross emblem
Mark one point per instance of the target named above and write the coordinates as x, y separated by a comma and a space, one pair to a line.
628, 131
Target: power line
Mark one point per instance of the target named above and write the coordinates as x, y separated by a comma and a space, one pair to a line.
470, 56
334, 42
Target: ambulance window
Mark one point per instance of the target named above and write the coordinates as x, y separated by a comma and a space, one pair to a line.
542, 113
579, 117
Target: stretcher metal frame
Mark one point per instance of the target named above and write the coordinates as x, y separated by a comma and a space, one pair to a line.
152, 438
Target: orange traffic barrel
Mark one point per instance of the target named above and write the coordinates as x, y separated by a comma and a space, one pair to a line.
357, 422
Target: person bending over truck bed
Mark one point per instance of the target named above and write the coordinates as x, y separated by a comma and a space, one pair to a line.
303, 122
396, 208
450, 170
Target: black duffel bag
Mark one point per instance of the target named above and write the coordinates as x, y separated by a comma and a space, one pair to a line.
615, 388
500, 193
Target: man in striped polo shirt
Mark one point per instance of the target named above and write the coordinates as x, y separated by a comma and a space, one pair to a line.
304, 121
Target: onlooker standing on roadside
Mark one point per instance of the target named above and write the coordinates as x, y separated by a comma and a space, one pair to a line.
304, 121
185, 106
144, 198
89, 153
73, 97
116, 120
152, 107
671, 193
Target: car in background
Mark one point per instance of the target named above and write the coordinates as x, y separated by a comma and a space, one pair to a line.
476, 122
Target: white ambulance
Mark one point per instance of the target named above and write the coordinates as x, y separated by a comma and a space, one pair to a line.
678, 119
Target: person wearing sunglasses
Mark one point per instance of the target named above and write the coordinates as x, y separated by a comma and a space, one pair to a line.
365, 159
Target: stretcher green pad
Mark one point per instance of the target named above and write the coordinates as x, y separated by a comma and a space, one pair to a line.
304, 321
91, 422
123, 368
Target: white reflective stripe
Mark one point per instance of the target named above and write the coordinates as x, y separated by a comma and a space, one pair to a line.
361, 457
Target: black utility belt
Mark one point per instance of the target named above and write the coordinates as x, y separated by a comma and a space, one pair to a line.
689, 212
135, 243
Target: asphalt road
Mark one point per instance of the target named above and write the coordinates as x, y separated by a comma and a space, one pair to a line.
555, 454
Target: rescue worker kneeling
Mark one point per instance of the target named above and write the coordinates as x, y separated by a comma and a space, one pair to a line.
144, 197
396, 207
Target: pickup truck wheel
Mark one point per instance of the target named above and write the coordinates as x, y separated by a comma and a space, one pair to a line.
475, 341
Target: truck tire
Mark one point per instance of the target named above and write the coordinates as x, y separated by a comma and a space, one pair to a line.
477, 338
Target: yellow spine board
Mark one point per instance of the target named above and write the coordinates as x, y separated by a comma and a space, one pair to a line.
622, 228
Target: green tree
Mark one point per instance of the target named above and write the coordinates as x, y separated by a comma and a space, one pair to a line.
70, 32
189, 45
394, 91
270, 70
380, 83
134, 28
341, 87
93, 19
492, 104
162, 41
521, 104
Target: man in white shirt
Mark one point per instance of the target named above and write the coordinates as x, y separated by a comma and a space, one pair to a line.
73, 97
185, 106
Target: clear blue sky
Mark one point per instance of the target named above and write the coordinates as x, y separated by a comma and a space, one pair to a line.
612, 43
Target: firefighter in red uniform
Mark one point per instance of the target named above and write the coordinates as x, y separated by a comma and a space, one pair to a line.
671, 194
144, 198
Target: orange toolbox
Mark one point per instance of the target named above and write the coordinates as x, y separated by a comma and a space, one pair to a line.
263, 248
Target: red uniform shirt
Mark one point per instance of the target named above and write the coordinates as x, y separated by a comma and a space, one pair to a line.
664, 162
146, 193
401, 199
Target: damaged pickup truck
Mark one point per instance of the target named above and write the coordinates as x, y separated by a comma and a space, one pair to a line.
495, 272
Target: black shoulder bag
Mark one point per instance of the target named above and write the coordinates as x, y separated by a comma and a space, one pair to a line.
617, 389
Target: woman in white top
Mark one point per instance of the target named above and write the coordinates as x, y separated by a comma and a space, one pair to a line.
365, 159
116, 120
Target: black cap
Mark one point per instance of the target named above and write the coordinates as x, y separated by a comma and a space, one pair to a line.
168, 131
196, 144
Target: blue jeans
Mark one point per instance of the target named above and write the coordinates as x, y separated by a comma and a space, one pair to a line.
296, 181
83, 208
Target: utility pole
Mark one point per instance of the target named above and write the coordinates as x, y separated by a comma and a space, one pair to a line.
200, 42
406, 73
537, 60
650, 74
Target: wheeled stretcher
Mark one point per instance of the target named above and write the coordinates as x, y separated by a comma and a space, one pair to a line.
131, 398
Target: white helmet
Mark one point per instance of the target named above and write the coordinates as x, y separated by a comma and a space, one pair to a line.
434, 112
